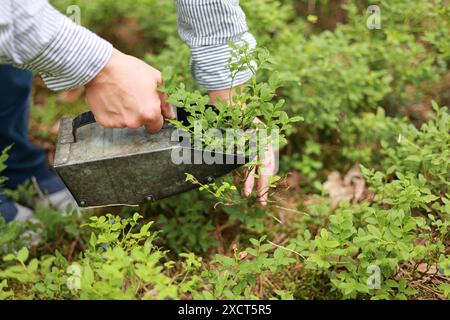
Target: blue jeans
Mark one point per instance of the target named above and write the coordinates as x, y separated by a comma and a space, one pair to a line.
25, 159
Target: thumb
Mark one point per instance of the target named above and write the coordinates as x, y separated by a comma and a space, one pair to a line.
166, 109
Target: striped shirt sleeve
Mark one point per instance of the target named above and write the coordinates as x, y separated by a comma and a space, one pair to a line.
35, 36
207, 26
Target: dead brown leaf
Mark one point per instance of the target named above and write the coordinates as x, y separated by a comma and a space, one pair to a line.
425, 268
243, 255
350, 188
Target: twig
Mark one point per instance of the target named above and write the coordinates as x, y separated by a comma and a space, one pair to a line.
72, 248
287, 249
37, 188
291, 210
439, 295
226, 226
276, 219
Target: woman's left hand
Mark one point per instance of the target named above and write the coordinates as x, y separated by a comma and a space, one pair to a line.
259, 177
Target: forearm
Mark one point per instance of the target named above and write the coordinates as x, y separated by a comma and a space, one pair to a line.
35, 36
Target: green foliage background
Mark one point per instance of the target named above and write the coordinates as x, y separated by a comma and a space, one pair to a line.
366, 99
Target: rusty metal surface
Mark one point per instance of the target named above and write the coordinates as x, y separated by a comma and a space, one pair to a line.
125, 166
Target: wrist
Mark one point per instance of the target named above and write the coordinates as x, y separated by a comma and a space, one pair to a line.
107, 70
224, 94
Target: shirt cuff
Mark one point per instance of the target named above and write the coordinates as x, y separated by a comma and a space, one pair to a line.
73, 58
210, 64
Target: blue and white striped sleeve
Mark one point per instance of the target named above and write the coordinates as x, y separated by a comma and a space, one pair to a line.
35, 36
207, 26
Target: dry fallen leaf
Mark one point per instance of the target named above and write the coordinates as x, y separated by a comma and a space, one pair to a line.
243, 255
425, 268
351, 188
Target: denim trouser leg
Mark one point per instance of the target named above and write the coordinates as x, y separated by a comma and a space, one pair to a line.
25, 159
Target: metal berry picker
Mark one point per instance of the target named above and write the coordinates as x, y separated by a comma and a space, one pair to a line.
106, 167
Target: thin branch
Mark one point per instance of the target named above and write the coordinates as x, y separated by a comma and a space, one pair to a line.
287, 249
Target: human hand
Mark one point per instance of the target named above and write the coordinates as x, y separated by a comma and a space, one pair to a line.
259, 176
125, 95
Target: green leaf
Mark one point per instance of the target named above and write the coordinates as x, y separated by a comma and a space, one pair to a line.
374, 231
324, 233
296, 119
331, 244
22, 255
9, 257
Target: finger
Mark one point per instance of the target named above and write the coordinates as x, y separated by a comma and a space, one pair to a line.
273, 167
155, 125
267, 170
166, 109
112, 124
249, 183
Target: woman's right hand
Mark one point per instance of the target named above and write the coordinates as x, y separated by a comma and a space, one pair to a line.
125, 95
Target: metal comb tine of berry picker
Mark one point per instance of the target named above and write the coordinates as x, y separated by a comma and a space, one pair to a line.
109, 167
